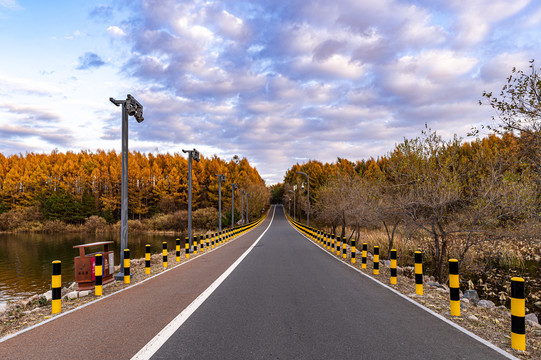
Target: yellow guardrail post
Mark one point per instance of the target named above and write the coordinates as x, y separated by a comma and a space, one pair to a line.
363, 256
353, 250
127, 266
147, 259
177, 249
164, 254
98, 272
518, 313
376, 260
454, 287
393, 267
419, 273
56, 287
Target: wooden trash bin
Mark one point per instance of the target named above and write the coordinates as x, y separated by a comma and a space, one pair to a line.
85, 265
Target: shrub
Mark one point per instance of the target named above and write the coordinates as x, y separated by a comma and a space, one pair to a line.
95, 224
178, 221
11, 220
54, 226
205, 219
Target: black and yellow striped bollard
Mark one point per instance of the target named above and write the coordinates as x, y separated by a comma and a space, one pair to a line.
56, 287
518, 313
419, 273
454, 287
164, 254
187, 247
194, 244
212, 240
147, 259
344, 248
376, 260
207, 241
338, 246
202, 242
177, 249
332, 243
363, 256
127, 266
393, 267
98, 272
353, 250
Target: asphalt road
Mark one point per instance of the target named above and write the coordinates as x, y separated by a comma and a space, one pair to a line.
289, 300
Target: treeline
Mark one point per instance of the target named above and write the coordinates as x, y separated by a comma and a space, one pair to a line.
72, 187
453, 194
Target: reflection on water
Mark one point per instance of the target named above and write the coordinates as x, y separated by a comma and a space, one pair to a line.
25, 259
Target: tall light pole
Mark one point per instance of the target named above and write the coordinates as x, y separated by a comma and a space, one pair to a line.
247, 196
220, 179
242, 192
233, 188
130, 107
308, 187
294, 204
192, 154
289, 209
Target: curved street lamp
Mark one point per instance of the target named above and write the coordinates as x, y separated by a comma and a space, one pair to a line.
308, 187
130, 107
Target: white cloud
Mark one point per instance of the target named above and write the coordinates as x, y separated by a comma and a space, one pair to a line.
115, 31
10, 4
476, 18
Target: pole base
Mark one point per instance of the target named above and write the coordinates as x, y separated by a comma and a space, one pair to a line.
119, 276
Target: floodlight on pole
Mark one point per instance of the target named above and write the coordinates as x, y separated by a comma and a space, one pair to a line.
307, 187
192, 154
130, 107
221, 178
233, 188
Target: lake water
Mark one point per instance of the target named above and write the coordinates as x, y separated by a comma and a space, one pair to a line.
25, 259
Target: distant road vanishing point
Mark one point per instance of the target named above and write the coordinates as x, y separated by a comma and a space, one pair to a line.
269, 294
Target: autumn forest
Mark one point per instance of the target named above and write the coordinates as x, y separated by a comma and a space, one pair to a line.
73, 187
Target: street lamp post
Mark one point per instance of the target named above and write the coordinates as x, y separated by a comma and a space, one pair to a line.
294, 204
242, 192
233, 188
289, 208
247, 196
308, 187
220, 179
192, 154
130, 107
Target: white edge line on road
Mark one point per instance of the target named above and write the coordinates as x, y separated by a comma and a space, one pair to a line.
156, 343
456, 326
7, 337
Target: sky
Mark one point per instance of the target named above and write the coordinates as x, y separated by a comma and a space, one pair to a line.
277, 82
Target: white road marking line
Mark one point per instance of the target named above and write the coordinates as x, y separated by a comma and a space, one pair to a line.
157, 342
175, 266
442, 318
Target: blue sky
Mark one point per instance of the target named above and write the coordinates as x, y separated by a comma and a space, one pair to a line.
278, 82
